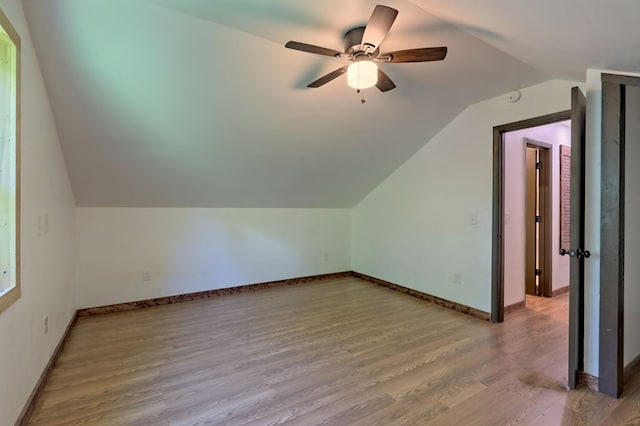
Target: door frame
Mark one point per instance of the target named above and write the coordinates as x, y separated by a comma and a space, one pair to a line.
612, 226
497, 271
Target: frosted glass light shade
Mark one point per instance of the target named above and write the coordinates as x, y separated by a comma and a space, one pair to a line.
361, 75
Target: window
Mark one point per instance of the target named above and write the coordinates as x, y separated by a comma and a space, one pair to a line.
9, 164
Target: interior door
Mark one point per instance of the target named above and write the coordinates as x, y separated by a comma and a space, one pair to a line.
531, 203
577, 250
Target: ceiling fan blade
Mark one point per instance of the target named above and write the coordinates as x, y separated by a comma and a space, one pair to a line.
310, 48
328, 77
378, 26
424, 54
384, 82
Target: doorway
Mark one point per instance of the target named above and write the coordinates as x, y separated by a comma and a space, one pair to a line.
532, 264
538, 218
577, 251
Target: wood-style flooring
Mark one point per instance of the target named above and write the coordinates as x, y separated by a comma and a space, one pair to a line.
341, 352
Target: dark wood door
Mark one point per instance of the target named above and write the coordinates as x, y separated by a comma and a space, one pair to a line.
537, 221
531, 233
576, 281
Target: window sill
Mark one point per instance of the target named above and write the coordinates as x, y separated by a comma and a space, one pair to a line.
8, 297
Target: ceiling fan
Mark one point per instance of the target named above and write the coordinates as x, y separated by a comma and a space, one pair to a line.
362, 47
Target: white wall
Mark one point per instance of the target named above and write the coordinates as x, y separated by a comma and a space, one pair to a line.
632, 227
190, 250
514, 209
47, 273
415, 228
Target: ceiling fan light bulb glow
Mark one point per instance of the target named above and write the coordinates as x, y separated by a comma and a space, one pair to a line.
362, 75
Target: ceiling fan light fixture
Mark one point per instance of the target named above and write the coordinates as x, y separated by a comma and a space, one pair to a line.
362, 47
362, 75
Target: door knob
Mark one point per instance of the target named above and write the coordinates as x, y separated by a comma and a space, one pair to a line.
584, 253
570, 252
579, 253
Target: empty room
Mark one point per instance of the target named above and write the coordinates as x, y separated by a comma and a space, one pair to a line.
256, 212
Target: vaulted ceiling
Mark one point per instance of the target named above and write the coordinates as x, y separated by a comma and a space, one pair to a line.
196, 103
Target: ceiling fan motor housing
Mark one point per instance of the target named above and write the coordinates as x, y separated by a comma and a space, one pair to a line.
353, 45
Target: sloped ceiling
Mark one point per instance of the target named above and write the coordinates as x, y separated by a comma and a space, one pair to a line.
196, 103
561, 37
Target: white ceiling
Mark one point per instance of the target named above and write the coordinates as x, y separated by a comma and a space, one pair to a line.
561, 37
197, 103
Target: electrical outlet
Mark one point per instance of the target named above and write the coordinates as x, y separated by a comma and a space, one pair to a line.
457, 278
474, 219
326, 256
45, 324
146, 275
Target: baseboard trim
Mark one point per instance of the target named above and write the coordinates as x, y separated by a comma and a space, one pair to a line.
30, 405
433, 299
515, 307
560, 291
588, 381
169, 300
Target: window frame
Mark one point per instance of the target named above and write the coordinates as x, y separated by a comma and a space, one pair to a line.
11, 295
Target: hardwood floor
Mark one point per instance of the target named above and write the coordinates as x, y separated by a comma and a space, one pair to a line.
341, 352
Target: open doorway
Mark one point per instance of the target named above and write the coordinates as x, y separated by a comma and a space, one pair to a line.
576, 252
532, 225
538, 217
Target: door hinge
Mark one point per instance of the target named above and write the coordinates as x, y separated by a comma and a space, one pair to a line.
538, 219
539, 166
538, 272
